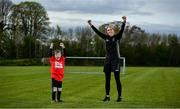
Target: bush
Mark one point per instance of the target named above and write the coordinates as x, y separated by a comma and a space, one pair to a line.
21, 62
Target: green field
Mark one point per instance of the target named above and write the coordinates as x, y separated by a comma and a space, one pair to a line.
84, 87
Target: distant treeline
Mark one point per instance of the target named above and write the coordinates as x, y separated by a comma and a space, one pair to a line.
25, 34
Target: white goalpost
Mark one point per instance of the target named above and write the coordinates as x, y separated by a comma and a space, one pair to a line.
122, 58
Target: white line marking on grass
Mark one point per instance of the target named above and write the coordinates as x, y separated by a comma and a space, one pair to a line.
85, 72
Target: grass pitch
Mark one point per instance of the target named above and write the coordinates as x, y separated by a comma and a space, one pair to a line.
83, 87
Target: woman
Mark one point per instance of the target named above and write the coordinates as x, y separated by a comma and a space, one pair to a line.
112, 56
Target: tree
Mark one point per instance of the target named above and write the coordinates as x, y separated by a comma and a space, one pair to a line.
55, 32
5, 6
174, 53
28, 19
31, 17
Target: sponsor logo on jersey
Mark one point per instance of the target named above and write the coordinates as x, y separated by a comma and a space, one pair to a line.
58, 65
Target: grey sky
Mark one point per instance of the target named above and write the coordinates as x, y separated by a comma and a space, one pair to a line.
152, 15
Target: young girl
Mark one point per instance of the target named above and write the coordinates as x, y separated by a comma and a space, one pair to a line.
57, 61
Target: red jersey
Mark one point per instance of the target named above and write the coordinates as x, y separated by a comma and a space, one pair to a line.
57, 68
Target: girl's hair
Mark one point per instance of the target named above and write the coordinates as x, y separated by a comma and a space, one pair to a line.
110, 26
57, 51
